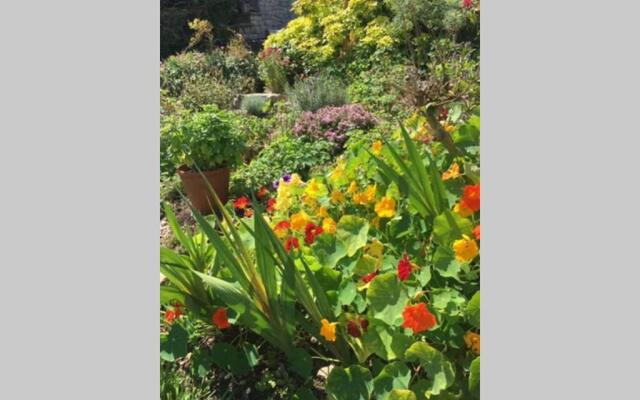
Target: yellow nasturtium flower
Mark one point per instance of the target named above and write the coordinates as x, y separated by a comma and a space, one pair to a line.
452, 173
337, 197
353, 188
299, 221
370, 194
329, 225
322, 212
386, 207
466, 249
295, 180
338, 171
310, 202
328, 330
376, 147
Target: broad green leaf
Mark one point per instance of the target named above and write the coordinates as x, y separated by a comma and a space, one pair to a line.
300, 362
401, 394
444, 261
352, 232
474, 377
450, 226
424, 275
304, 394
365, 265
386, 342
347, 292
447, 300
387, 298
473, 310
201, 363
328, 250
393, 376
353, 383
226, 356
437, 367
175, 346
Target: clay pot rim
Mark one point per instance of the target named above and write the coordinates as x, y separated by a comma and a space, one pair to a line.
188, 171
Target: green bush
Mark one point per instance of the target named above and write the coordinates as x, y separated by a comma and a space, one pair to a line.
285, 154
378, 89
207, 139
272, 70
194, 79
256, 133
255, 105
317, 92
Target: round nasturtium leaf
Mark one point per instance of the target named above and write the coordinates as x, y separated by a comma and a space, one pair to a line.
353, 383
387, 298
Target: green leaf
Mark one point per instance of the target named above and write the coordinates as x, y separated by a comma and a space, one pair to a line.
400, 226
352, 232
251, 354
473, 310
175, 346
386, 342
226, 356
328, 250
365, 265
201, 363
353, 383
304, 394
448, 301
437, 367
424, 275
387, 298
401, 394
449, 226
444, 261
300, 362
474, 377
393, 376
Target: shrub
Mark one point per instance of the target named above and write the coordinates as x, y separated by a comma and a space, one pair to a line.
255, 105
272, 70
285, 154
333, 124
379, 89
256, 133
207, 139
317, 92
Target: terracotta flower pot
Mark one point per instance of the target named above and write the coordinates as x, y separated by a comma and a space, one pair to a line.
198, 191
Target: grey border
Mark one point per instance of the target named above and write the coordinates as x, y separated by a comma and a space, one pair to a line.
560, 82
80, 200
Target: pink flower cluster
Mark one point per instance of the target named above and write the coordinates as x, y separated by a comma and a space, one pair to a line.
333, 123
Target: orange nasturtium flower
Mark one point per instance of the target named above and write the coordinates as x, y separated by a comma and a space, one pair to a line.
329, 225
337, 197
220, 318
466, 249
328, 330
386, 207
452, 173
462, 210
376, 147
299, 221
282, 229
472, 340
370, 194
476, 232
241, 203
322, 212
418, 318
471, 197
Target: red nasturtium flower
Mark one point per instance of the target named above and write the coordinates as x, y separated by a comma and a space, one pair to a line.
467, 4
174, 313
220, 318
357, 326
292, 242
369, 277
241, 203
476, 232
418, 318
471, 197
404, 268
270, 205
263, 192
310, 232
248, 212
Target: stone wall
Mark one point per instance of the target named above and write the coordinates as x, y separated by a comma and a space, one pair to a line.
262, 17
